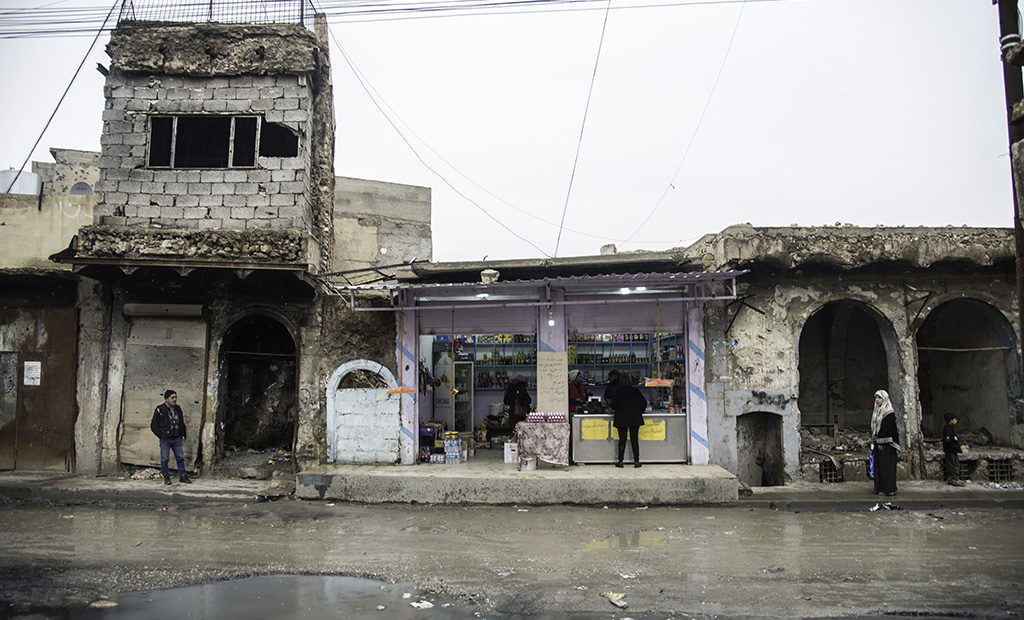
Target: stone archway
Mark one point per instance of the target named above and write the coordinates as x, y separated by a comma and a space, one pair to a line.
363, 419
847, 352
256, 409
968, 365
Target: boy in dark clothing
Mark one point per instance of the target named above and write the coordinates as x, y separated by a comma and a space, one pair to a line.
951, 450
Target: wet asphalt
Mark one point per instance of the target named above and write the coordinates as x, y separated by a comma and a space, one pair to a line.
116, 559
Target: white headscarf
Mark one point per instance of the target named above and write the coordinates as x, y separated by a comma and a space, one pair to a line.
573, 374
880, 412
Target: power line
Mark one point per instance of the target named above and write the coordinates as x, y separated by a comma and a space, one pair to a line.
696, 129
583, 126
368, 89
30, 22
63, 95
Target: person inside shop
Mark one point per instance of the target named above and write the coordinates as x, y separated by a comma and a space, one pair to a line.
885, 438
612, 385
517, 400
577, 390
629, 405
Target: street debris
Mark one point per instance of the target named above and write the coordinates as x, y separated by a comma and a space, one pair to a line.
773, 569
422, 604
103, 604
627, 576
886, 505
616, 598
146, 474
641, 508
407, 595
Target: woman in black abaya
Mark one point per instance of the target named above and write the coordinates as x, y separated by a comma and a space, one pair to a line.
885, 438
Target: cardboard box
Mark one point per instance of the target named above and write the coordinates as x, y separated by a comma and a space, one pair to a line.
512, 452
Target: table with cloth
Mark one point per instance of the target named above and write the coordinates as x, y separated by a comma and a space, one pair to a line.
548, 441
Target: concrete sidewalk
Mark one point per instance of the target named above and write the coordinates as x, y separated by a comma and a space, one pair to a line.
920, 494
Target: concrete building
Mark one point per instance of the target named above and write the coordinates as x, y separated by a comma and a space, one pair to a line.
215, 219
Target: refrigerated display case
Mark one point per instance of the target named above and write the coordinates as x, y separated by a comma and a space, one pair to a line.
462, 417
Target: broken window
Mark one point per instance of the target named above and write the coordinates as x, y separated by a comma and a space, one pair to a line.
216, 141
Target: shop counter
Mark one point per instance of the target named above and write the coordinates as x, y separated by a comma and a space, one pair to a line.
662, 438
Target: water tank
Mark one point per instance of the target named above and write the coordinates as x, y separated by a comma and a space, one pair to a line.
27, 183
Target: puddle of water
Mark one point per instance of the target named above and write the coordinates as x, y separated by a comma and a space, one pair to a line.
280, 596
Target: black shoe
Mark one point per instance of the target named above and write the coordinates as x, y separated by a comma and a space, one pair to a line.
185, 480
890, 494
167, 479
619, 464
637, 465
956, 483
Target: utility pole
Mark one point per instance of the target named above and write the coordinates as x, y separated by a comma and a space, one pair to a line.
1009, 42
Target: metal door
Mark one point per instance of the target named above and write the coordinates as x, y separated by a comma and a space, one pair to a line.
38, 362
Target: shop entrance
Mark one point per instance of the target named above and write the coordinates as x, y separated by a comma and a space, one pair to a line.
257, 403
759, 449
847, 352
969, 367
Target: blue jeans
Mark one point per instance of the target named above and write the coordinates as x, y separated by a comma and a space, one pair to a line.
166, 445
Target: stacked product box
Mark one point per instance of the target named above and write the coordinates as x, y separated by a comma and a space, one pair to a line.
452, 448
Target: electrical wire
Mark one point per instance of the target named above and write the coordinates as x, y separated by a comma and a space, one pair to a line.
63, 95
583, 126
28, 22
696, 129
360, 78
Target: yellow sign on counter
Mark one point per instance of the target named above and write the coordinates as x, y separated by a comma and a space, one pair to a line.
594, 430
650, 431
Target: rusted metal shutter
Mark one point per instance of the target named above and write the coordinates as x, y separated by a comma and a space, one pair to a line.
162, 353
483, 320
624, 317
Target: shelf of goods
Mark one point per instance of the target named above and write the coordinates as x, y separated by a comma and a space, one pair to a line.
597, 354
497, 357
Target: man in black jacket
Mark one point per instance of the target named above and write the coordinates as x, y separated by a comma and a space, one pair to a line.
169, 425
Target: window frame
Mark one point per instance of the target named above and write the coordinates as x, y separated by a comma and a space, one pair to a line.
174, 139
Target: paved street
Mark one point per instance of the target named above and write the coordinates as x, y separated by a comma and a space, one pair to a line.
507, 560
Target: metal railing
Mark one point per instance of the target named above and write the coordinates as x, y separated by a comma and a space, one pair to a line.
219, 11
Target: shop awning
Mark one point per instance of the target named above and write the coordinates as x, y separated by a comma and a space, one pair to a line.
589, 290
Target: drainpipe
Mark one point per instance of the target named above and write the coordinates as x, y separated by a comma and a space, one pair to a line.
1009, 37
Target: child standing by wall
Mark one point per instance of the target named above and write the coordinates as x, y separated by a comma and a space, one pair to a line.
951, 450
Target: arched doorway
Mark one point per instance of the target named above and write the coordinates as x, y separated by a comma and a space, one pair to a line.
847, 352
968, 365
759, 449
363, 419
256, 411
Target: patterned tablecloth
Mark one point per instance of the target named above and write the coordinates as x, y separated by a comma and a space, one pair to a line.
548, 441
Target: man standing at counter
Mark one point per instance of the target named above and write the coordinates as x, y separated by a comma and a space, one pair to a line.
629, 405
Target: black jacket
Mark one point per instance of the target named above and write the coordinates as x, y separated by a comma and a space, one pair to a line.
161, 423
629, 404
950, 442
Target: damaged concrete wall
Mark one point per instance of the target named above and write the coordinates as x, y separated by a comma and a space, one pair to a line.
278, 73
377, 223
343, 336
33, 227
757, 361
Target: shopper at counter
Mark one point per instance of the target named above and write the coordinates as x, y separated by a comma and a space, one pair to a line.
629, 405
518, 400
613, 385
577, 390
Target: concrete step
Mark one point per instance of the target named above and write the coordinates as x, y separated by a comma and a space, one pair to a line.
653, 484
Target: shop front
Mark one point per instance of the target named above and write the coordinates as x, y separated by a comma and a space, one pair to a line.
466, 350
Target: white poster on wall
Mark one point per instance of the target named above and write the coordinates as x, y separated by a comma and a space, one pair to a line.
33, 373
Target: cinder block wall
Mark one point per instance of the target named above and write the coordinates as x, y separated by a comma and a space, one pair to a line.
272, 194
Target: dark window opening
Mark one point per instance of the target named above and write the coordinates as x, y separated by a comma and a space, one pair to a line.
277, 141
244, 154
216, 141
202, 142
161, 128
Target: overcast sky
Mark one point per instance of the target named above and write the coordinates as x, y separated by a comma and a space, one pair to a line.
805, 112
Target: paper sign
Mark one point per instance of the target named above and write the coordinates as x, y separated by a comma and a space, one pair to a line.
594, 430
650, 431
33, 373
552, 381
